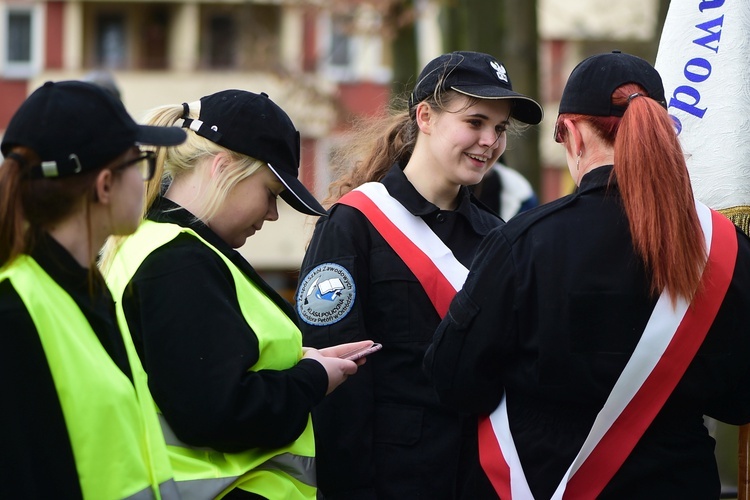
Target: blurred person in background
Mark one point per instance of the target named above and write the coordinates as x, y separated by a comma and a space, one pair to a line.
105, 80
505, 191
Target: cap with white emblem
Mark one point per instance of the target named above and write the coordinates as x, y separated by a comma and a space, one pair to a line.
477, 75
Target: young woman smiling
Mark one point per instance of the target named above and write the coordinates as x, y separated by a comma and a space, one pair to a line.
384, 263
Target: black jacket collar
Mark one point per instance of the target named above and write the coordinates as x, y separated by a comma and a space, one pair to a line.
404, 191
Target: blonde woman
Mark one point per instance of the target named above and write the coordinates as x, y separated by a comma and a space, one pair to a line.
224, 357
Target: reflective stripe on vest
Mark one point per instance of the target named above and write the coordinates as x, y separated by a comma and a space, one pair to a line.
299, 467
119, 452
202, 472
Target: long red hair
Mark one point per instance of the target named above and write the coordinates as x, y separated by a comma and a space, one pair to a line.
653, 180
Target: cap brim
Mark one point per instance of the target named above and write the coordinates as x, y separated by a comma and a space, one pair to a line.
297, 195
525, 109
160, 136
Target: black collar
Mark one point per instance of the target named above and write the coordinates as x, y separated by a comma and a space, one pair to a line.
165, 210
404, 191
600, 177
61, 265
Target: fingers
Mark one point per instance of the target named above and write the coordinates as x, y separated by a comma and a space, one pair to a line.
338, 351
349, 367
337, 369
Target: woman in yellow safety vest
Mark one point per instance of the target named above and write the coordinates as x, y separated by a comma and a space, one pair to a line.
74, 414
224, 357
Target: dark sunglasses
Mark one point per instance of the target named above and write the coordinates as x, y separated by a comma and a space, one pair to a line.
146, 163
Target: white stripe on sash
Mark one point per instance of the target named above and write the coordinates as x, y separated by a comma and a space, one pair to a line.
416, 230
657, 335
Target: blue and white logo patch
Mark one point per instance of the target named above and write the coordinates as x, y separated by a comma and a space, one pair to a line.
325, 295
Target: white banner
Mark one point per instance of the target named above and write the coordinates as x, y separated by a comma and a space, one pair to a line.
704, 60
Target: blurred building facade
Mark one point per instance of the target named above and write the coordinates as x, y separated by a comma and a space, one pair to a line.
326, 62
319, 63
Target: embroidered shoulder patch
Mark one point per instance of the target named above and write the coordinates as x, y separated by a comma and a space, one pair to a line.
326, 295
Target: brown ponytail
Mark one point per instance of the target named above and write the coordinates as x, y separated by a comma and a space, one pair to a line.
376, 144
12, 234
30, 206
370, 152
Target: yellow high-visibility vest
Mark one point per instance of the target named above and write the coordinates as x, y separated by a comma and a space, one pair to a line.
287, 472
118, 447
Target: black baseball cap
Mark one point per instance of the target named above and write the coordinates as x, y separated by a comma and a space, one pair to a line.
253, 125
76, 127
591, 84
476, 75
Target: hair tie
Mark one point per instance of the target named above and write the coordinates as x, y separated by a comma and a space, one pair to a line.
18, 159
633, 96
185, 110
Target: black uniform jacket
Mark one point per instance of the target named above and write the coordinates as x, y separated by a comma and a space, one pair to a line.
183, 313
550, 313
383, 434
38, 461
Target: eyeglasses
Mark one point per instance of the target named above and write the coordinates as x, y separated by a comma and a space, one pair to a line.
146, 163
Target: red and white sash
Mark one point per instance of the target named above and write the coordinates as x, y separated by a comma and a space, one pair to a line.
432, 262
669, 343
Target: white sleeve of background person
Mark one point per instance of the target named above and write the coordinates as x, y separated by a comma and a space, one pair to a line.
703, 60
515, 190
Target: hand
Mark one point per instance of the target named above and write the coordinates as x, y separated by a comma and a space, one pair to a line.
341, 350
336, 368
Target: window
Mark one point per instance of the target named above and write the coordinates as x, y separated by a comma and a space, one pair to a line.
19, 37
22, 41
126, 35
239, 36
352, 46
222, 41
110, 41
154, 34
341, 39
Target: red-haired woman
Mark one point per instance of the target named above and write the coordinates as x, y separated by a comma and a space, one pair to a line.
596, 331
